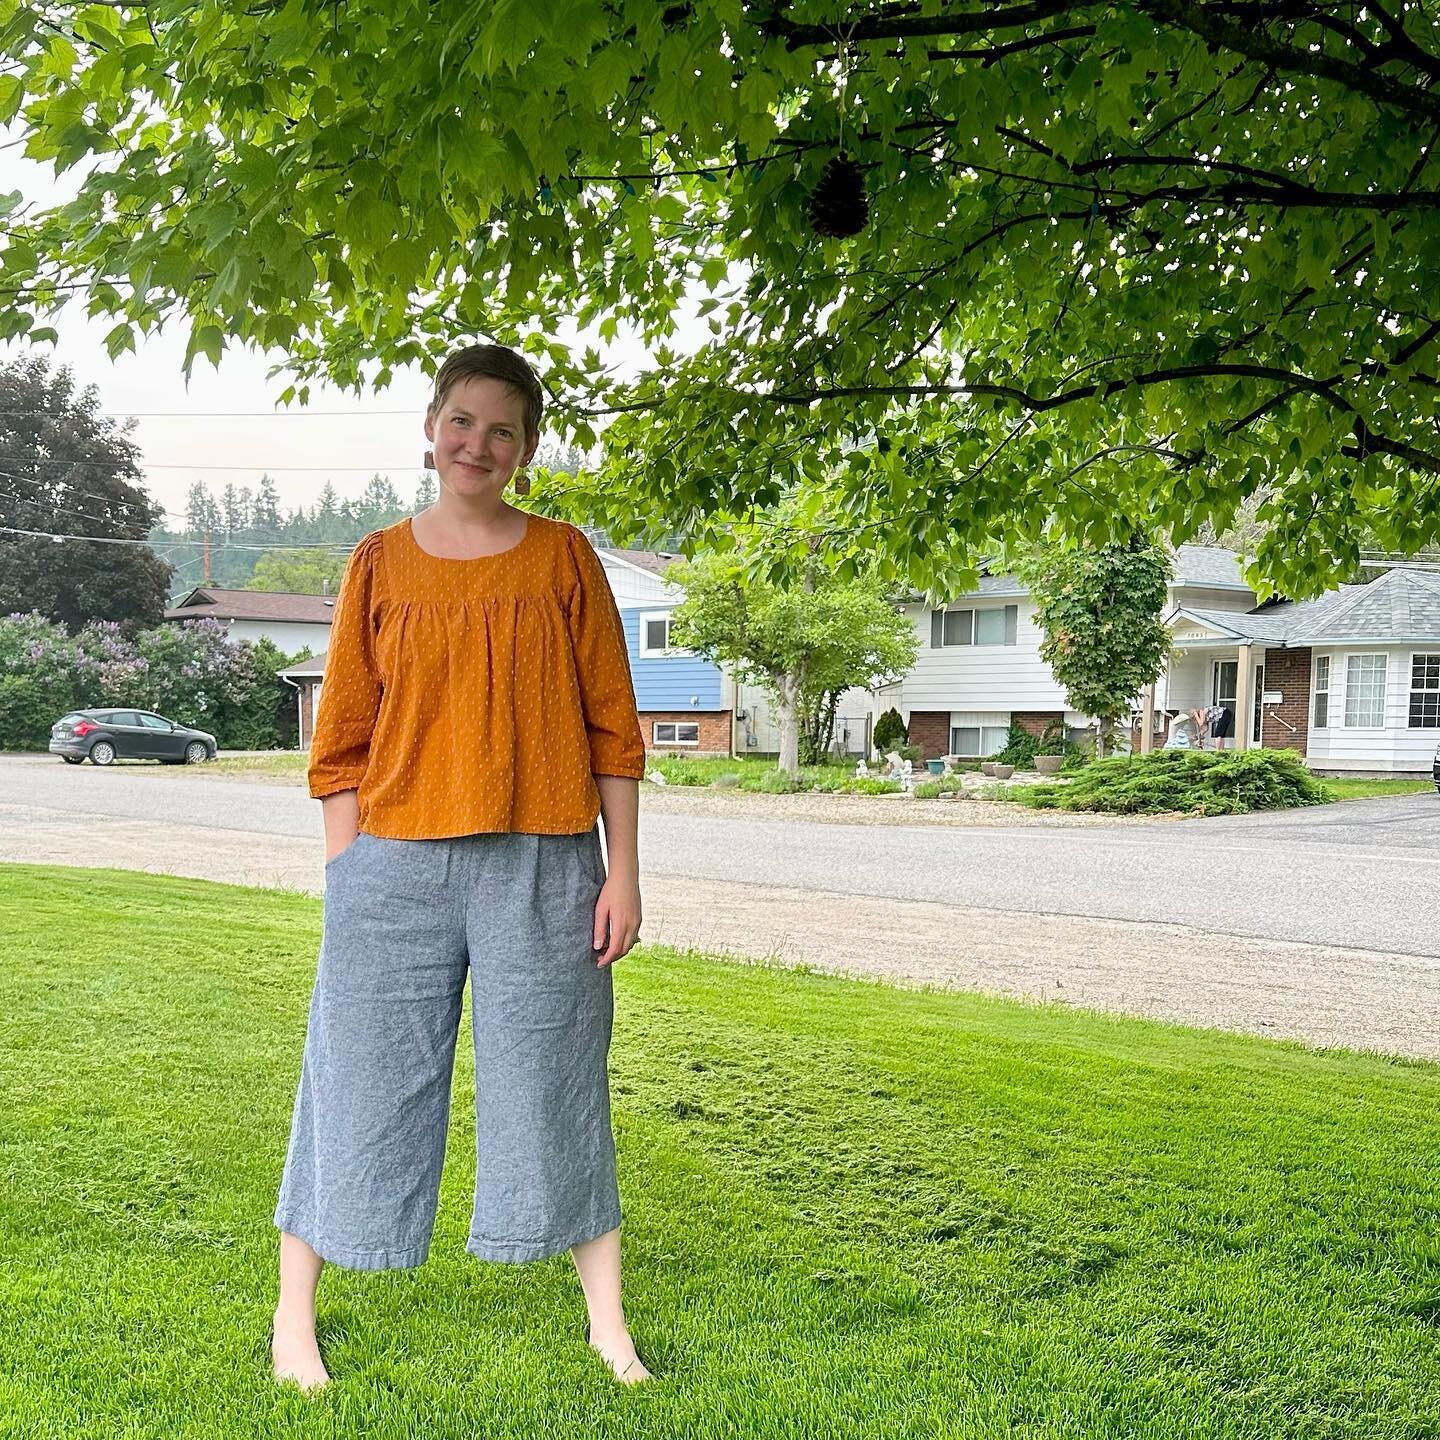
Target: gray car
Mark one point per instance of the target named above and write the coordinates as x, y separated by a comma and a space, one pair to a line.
103, 736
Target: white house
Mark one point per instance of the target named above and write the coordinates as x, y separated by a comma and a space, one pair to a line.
1346, 679
292, 622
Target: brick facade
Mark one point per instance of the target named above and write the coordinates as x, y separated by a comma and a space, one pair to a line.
716, 727
1287, 671
1036, 721
930, 729
307, 711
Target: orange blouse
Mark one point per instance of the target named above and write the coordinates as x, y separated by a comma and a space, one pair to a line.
475, 695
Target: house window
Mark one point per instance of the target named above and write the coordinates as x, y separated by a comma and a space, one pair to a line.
995, 625
1365, 691
1320, 691
1425, 692
959, 627
977, 741
675, 732
655, 634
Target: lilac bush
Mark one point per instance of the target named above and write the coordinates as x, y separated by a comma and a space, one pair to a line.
192, 673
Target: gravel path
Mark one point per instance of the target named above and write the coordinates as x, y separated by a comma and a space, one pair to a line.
716, 853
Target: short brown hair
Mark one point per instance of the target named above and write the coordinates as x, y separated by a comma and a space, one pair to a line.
493, 362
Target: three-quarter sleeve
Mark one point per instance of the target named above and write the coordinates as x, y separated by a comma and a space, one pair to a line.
350, 692
607, 693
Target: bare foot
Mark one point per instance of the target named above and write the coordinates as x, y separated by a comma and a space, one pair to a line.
617, 1349
295, 1355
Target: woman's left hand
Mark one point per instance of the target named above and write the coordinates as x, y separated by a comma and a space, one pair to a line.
617, 916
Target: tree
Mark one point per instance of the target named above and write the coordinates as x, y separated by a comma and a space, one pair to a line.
299, 572
203, 515
1101, 613
265, 514
67, 470
804, 644
424, 492
1143, 258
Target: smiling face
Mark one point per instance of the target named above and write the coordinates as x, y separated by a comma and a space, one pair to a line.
478, 436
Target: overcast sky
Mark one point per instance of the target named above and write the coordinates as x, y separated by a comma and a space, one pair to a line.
223, 426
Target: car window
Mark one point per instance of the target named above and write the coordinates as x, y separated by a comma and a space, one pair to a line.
73, 718
123, 717
154, 721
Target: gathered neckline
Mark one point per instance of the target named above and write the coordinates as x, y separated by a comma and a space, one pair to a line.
409, 530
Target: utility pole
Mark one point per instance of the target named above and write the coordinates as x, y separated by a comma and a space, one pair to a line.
206, 581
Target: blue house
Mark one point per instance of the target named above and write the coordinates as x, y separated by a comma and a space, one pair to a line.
686, 704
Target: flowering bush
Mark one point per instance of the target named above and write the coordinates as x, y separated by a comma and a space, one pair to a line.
192, 673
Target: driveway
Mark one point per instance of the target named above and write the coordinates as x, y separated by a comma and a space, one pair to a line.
1318, 924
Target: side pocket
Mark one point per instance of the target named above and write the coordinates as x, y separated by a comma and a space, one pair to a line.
334, 860
593, 856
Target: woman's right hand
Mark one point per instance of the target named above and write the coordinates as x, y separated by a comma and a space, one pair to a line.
342, 822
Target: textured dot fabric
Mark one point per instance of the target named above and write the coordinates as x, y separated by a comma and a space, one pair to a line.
466, 696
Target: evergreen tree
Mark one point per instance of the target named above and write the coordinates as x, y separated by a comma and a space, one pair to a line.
265, 514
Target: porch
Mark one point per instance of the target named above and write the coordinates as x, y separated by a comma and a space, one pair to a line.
1266, 691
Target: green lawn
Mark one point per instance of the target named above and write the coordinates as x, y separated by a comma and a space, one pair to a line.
1344, 789
851, 1211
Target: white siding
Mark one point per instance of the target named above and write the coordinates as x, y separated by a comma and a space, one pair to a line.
289, 636
977, 677
1194, 597
1391, 747
634, 586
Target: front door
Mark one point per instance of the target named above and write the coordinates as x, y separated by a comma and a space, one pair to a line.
1224, 681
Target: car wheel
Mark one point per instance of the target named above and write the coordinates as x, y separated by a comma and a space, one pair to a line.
102, 752
73, 759
196, 751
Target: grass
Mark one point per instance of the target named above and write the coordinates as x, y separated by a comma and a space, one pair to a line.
1346, 789
850, 1210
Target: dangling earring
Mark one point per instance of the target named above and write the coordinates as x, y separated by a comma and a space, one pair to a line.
522, 482
429, 461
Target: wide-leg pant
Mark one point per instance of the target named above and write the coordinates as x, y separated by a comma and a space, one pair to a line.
404, 922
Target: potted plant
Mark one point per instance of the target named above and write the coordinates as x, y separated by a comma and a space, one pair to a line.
1050, 753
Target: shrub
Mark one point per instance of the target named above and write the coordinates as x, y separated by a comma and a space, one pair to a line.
940, 785
1192, 782
770, 782
1020, 748
889, 731
869, 785
728, 781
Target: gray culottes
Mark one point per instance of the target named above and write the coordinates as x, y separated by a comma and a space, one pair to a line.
405, 920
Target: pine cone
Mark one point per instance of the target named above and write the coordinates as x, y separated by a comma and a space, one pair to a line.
838, 204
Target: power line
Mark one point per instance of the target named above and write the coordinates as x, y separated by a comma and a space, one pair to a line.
216, 414
72, 493
246, 469
341, 546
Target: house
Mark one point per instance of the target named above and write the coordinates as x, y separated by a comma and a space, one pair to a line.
686, 704
292, 622
1350, 679
1344, 679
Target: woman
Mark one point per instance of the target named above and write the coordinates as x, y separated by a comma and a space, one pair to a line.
477, 715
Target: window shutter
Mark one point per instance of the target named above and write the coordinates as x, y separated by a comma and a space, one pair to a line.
1012, 621
937, 629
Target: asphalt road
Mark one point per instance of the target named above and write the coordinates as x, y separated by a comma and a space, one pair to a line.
1361, 874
